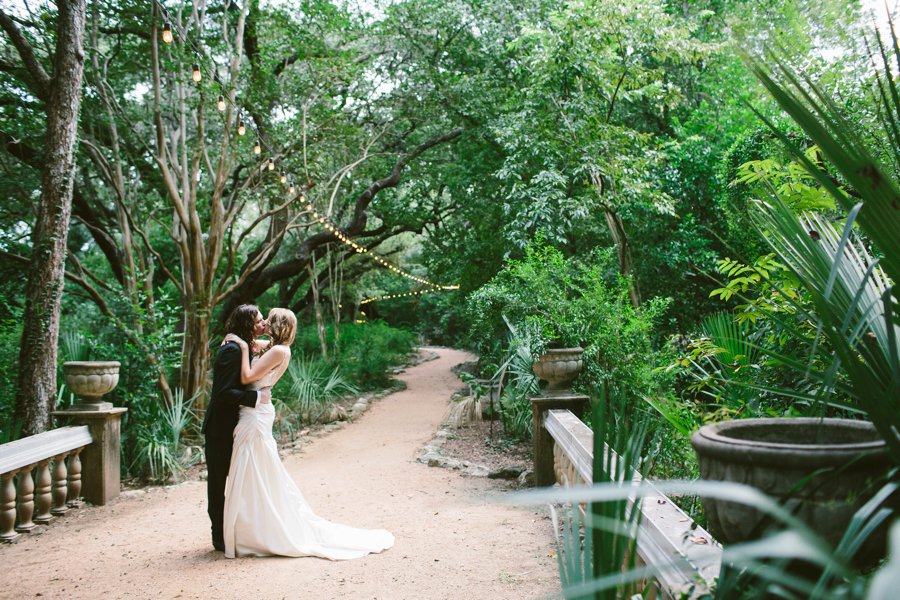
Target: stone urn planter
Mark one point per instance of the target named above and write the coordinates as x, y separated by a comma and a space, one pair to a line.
90, 380
559, 367
823, 469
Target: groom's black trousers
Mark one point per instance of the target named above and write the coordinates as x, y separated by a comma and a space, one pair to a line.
218, 461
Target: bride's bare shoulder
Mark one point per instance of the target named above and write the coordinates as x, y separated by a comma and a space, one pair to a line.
281, 350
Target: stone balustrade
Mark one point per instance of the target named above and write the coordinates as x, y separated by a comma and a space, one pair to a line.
40, 478
685, 558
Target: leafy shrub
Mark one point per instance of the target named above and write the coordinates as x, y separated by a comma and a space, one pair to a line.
571, 302
10, 338
161, 449
366, 350
314, 385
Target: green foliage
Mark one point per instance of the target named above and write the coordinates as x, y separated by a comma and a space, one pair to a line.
518, 384
366, 351
546, 298
313, 386
10, 338
610, 529
161, 450
792, 182
765, 567
75, 346
854, 299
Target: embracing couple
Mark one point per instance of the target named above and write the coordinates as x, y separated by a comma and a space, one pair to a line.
255, 507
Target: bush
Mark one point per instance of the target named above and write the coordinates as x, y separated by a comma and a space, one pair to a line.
366, 350
10, 338
568, 302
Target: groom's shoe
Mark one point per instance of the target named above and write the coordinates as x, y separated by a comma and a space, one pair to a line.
219, 545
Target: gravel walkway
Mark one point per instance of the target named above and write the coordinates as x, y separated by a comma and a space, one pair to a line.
454, 541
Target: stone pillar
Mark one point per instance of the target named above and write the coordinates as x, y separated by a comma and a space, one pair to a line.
543, 441
100, 460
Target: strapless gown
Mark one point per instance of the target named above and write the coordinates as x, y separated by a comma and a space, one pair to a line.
265, 513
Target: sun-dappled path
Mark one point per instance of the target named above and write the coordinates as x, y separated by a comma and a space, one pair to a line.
453, 539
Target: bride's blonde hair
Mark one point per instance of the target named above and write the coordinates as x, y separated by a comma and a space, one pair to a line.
282, 326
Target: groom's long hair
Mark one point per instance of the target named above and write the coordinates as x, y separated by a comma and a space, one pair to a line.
242, 321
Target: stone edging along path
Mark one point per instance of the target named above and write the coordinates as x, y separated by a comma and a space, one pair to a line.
455, 540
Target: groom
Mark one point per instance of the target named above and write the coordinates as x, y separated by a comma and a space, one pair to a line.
227, 396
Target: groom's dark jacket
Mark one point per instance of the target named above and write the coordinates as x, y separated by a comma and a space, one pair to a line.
228, 395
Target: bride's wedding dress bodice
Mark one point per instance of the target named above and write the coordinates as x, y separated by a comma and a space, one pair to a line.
265, 513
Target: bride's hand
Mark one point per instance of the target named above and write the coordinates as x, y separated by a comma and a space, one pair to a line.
237, 340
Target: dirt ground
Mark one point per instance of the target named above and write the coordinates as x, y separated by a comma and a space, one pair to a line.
456, 538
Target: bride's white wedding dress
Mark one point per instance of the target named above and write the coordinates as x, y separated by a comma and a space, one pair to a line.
265, 513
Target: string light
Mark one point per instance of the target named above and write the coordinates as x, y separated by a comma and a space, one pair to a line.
257, 150
342, 237
403, 295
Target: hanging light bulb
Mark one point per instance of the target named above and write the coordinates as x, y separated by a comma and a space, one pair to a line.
196, 73
220, 103
167, 33
242, 129
291, 188
256, 148
271, 165
283, 177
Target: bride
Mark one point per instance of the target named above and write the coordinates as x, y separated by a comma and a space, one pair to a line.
265, 513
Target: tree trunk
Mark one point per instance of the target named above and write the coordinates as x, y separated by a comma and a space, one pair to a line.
320, 319
623, 249
195, 360
36, 390
336, 281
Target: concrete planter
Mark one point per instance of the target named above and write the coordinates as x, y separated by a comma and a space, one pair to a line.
90, 381
559, 367
836, 464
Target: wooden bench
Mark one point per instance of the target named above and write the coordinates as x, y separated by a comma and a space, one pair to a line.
31, 490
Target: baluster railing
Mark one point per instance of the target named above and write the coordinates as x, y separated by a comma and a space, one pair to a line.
43, 483
684, 557
31, 492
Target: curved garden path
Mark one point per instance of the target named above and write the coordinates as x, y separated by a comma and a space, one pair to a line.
452, 541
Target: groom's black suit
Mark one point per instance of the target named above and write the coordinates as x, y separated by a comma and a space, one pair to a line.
228, 395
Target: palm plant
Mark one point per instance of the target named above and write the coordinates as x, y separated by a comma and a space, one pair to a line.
854, 295
162, 450
517, 382
602, 567
76, 346
314, 384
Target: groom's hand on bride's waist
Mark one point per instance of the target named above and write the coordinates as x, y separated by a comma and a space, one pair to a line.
265, 396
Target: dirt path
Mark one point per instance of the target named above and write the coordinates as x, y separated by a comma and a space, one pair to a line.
452, 541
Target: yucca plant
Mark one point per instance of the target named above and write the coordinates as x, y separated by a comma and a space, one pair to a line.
76, 347
596, 551
854, 295
755, 569
162, 450
314, 384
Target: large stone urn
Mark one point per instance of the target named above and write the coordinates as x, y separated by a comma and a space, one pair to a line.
822, 469
90, 381
559, 367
